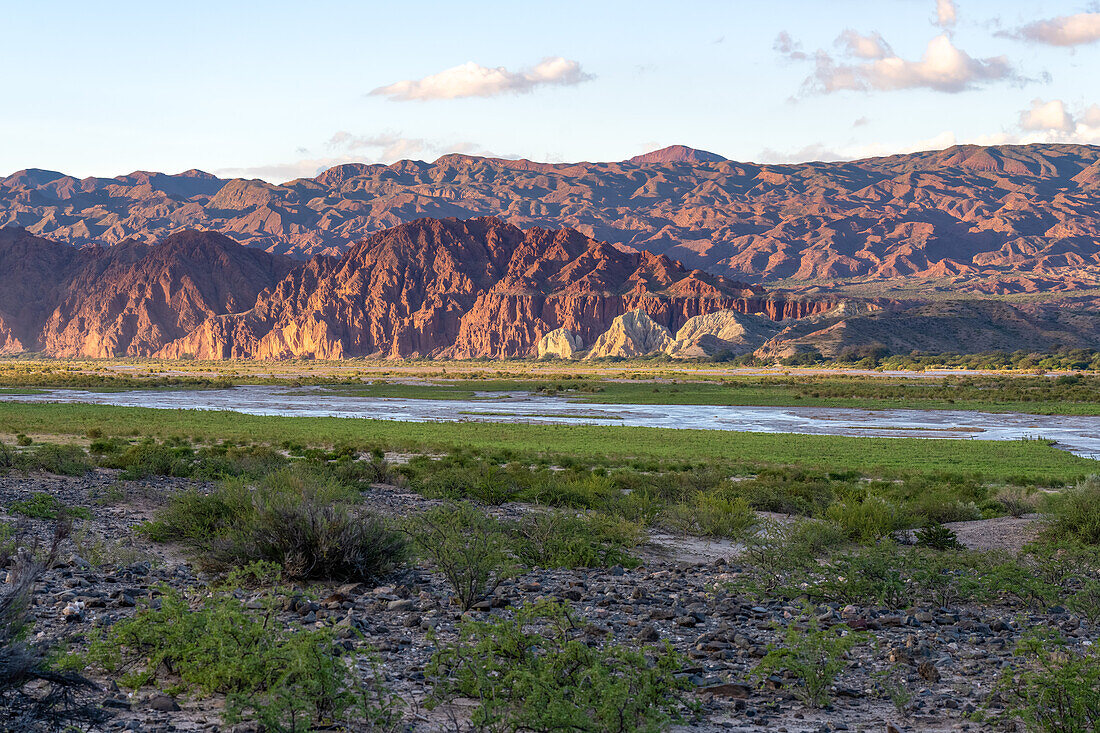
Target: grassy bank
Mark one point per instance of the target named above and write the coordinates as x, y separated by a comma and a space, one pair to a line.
995, 460
1035, 395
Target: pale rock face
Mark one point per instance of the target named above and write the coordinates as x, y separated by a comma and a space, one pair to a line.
561, 342
631, 334
724, 330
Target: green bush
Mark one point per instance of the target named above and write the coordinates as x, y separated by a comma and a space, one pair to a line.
63, 460
41, 505
294, 517
937, 537
812, 656
562, 539
711, 515
1075, 515
535, 672
469, 548
288, 679
867, 520
1054, 688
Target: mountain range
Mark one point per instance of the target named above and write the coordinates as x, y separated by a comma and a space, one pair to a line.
459, 289
970, 219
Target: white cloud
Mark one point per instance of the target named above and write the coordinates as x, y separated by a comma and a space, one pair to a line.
1044, 116
1091, 117
473, 80
945, 13
944, 67
1053, 122
865, 47
1066, 30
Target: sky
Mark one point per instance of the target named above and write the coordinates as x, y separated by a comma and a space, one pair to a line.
278, 90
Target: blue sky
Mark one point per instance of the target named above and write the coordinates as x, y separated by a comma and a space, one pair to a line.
282, 89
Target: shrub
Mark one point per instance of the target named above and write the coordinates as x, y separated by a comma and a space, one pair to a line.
286, 678
711, 515
865, 521
468, 547
1075, 515
535, 672
292, 517
1055, 688
32, 695
64, 460
561, 539
41, 505
812, 656
937, 537
1015, 501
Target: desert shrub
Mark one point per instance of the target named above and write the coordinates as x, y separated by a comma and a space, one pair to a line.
286, 678
64, 460
937, 537
41, 505
7, 457
785, 491
23, 440
865, 520
535, 672
562, 539
1053, 688
468, 547
711, 515
781, 551
811, 656
1016, 501
1075, 515
150, 458
293, 517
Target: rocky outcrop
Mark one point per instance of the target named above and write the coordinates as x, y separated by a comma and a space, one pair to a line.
466, 289
560, 343
950, 326
631, 334
994, 220
128, 300
721, 331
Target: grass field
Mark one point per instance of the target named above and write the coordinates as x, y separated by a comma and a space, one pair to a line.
1035, 395
995, 460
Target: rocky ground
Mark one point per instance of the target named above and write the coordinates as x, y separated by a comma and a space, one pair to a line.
947, 658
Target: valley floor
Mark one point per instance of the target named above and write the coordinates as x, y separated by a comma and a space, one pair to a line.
948, 657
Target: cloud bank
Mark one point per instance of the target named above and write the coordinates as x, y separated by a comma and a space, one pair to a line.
1066, 30
869, 64
473, 80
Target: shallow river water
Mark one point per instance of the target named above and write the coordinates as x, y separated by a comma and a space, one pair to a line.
1080, 435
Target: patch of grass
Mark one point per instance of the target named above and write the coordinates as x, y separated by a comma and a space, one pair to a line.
288, 679
560, 539
991, 460
536, 672
41, 505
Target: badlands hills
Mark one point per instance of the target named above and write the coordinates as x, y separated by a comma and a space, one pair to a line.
462, 289
970, 219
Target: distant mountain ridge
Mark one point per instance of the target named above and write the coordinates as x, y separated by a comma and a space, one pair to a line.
983, 220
